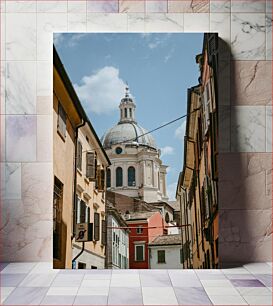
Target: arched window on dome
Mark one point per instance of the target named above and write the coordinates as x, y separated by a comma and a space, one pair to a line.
131, 176
108, 178
125, 112
119, 177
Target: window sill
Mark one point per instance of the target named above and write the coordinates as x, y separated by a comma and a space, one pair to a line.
86, 180
79, 171
160, 263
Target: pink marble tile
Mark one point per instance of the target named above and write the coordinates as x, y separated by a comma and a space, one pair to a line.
187, 6
243, 181
131, 6
251, 83
101, 6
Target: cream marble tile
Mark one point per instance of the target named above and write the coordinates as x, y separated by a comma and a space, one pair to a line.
3, 36
20, 36
268, 23
85, 291
100, 22
246, 291
198, 22
251, 83
44, 268
248, 129
269, 6
20, 87
159, 296
102, 6
44, 138
156, 6
220, 23
223, 291
5, 292
131, 6
47, 23
62, 291
268, 128
12, 174
171, 22
3, 138
227, 300
259, 300
20, 138
77, 22
188, 6
77, 6
58, 6
37, 280
3, 87
136, 22
44, 78
220, 6
249, 6
258, 268
21, 6
248, 36
37, 189
44, 105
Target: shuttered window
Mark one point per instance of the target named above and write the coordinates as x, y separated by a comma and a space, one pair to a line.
61, 125
103, 232
139, 252
83, 212
101, 179
161, 256
79, 155
78, 219
108, 180
87, 217
96, 226
91, 165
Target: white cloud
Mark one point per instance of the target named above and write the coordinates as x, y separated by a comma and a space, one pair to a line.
171, 191
70, 40
74, 39
169, 55
180, 131
167, 151
101, 91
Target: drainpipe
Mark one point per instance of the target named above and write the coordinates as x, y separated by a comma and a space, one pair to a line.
75, 187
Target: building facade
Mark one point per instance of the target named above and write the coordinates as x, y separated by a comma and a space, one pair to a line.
136, 168
144, 228
117, 255
79, 167
197, 188
165, 252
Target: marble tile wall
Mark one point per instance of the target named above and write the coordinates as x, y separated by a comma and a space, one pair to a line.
245, 111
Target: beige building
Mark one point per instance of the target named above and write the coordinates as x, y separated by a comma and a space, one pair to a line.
79, 167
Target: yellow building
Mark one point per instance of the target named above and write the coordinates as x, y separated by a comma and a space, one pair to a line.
197, 188
79, 186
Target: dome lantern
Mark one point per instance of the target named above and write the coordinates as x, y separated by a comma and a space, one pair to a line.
127, 107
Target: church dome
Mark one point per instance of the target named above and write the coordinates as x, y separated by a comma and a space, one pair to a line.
127, 130
130, 132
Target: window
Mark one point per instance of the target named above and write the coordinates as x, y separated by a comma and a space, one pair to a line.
81, 265
61, 125
96, 226
139, 252
130, 113
83, 211
139, 230
167, 217
100, 182
118, 150
103, 232
57, 218
131, 176
91, 165
108, 178
126, 113
79, 155
161, 256
119, 177
94, 267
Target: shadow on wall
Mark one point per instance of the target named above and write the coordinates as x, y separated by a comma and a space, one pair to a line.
244, 197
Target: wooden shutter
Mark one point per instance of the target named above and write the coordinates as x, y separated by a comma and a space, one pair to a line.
87, 216
96, 226
78, 213
98, 178
91, 165
101, 180
79, 155
103, 232
61, 126
83, 212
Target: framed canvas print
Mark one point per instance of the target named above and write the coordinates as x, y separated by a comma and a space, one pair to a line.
135, 142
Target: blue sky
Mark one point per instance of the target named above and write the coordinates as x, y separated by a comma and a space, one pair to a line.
158, 68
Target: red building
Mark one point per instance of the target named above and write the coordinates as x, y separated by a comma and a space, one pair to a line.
144, 228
